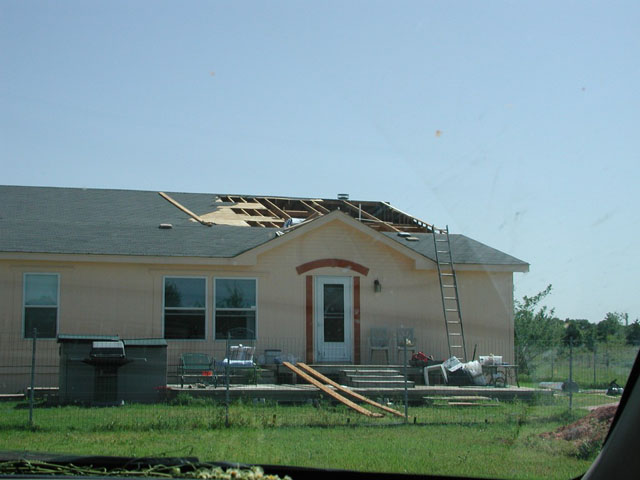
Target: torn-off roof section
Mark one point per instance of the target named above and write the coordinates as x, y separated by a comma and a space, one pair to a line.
283, 212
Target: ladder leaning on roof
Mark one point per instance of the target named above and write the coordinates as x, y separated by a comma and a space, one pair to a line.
450, 296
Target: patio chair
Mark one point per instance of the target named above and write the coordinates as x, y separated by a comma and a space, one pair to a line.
404, 335
240, 356
199, 366
438, 369
379, 341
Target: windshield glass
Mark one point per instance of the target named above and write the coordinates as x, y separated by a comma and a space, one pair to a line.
393, 238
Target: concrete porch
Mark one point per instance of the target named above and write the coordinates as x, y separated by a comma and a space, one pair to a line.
278, 383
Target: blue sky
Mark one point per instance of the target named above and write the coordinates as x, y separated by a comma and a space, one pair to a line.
513, 124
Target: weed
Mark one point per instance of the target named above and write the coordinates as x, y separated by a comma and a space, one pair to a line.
185, 399
588, 450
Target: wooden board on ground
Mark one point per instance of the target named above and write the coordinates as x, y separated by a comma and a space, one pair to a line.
330, 392
339, 387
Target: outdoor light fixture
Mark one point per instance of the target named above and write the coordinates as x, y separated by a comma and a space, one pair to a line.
377, 286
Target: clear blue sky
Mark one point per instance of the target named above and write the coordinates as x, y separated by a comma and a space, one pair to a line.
515, 124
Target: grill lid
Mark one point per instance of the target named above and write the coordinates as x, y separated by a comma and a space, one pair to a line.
113, 349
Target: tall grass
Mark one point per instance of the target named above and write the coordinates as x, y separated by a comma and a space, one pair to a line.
497, 441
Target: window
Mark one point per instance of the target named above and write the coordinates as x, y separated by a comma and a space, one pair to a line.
185, 307
40, 304
235, 306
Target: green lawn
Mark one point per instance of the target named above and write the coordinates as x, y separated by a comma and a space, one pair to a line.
498, 441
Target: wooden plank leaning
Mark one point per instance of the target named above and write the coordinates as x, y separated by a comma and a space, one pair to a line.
348, 391
331, 392
185, 209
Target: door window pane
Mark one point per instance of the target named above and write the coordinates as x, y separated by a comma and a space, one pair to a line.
333, 313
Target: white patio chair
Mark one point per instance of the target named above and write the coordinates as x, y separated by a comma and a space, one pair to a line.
379, 341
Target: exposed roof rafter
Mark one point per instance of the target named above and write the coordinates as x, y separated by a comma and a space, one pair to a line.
274, 212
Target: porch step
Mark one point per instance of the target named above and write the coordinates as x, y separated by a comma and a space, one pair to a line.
460, 401
382, 372
11, 397
367, 377
374, 378
381, 383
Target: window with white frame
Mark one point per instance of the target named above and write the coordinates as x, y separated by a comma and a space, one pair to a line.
235, 308
40, 304
185, 302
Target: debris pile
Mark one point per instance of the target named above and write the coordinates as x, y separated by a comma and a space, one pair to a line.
588, 431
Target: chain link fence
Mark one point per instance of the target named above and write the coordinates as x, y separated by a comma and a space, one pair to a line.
72, 372
66, 389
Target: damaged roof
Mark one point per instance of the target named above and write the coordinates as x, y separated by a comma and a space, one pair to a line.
282, 212
145, 223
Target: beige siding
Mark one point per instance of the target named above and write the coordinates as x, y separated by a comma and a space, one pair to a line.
126, 299
409, 297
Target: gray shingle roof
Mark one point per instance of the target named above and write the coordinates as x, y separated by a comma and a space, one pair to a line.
115, 222
465, 250
125, 222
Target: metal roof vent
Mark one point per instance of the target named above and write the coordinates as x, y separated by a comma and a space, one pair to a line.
343, 196
165, 226
404, 234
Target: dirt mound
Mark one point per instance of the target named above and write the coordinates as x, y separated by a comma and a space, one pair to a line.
589, 432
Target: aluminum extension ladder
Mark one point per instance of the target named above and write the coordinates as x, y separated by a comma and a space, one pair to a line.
450, 295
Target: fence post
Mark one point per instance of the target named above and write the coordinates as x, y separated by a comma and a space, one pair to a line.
226, 375
595, 347
406, 391
33, 376
570, 373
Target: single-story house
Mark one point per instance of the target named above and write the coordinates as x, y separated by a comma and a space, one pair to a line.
309, 277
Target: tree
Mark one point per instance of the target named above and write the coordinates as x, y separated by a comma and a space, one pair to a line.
536, 329
572, 333
582, 331
610, 326
632, 333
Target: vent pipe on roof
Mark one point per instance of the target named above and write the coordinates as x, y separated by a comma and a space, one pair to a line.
343, 196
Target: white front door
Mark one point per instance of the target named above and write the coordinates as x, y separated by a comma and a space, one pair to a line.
333, 319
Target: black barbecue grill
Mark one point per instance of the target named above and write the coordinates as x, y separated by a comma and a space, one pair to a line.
107, 370
106, 357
